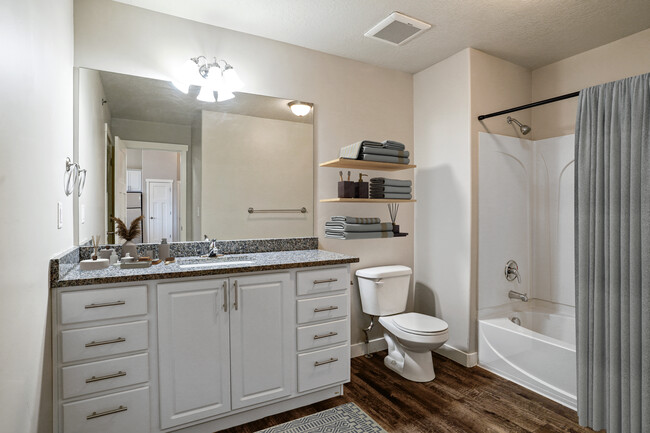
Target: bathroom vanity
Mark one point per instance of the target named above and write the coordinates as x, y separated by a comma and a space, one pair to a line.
199, 348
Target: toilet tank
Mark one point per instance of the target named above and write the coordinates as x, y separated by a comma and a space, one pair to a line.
384, 290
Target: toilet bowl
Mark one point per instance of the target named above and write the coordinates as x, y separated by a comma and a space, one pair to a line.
410, 336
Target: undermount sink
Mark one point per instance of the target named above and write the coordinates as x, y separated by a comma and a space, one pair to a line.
204, 262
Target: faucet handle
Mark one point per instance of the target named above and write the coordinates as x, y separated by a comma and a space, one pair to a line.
512, 271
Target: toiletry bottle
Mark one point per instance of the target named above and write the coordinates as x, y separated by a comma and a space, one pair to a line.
163, 250
361, 188
113, 258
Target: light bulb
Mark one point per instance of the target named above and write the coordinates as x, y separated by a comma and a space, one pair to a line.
206, 94
181, 86
300, 108
231, 79
224, 95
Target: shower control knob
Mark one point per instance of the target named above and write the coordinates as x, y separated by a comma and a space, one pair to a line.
512, 271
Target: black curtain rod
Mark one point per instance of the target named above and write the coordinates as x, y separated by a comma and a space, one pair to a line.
531, 105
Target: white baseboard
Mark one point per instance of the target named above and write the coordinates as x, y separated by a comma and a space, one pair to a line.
457, 355
375, 345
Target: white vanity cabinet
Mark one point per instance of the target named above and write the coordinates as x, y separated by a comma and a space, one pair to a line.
223, 344
198, 354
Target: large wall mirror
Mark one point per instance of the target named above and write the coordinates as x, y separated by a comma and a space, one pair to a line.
237, 169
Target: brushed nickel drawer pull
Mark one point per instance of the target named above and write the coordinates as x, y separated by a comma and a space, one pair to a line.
317, 363
108, 412
320, 310
108, 376
225, 296
101, 343
236, 303
105, 304
330, 280
329, 334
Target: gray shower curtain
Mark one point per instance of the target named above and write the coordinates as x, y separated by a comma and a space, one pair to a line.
612, 240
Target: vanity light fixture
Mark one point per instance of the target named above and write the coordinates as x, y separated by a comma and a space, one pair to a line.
299, 108
216, 76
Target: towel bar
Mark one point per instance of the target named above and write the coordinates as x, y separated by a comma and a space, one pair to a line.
301, 210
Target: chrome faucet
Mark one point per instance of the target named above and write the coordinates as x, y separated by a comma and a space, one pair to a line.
214, 252
512, 271
516, 295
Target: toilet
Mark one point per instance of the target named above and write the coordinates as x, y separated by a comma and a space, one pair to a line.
410, 336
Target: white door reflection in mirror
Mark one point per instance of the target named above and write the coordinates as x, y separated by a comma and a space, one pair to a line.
159, 215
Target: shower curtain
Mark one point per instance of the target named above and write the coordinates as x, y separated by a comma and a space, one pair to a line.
612, 239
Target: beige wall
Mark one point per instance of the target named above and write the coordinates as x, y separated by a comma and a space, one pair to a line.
92, 117
139, 130
353, 101
624, 58
36, 84
448, 98
255, 162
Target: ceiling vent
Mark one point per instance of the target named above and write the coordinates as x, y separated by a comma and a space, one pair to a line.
397, 29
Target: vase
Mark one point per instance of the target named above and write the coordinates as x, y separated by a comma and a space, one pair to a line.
129, 247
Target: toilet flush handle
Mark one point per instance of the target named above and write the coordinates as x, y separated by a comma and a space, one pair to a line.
379, 282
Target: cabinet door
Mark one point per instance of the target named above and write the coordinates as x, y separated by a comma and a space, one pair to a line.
193, 351
261, 343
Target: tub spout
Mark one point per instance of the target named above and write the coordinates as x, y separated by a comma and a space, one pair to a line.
516, 295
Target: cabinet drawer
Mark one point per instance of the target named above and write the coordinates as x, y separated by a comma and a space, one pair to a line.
104, 375
324, 334
115, 413
78, 344
322, 280
324, 367
327, 307
103, 304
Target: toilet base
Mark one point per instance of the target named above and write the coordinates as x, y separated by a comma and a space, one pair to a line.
415, 366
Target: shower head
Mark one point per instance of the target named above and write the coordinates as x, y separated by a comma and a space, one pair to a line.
525, 129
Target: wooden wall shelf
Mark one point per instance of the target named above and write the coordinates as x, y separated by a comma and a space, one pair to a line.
366, 165
365, 200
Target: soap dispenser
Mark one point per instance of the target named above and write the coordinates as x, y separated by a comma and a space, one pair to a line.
361, 188
163, 250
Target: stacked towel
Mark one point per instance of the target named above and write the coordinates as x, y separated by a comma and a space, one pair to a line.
341, 227
387, 151
381, 187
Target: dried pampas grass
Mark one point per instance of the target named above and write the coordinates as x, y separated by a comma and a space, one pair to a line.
132, 232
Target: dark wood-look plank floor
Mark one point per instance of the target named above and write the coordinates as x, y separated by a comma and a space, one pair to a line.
459, 400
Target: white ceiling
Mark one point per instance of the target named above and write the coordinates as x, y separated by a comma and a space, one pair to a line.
530, 33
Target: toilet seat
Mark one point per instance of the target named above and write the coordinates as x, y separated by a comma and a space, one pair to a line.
419, 324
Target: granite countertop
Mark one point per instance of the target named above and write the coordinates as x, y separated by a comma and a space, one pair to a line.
269, 261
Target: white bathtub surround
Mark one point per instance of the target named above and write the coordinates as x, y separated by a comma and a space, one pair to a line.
526, 215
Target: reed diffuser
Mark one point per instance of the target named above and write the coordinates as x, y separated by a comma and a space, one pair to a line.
393, 208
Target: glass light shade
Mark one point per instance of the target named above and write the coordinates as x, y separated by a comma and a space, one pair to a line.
181, 86
231, 79
224, 95
215, 79
189, 73
206, 94
300, 108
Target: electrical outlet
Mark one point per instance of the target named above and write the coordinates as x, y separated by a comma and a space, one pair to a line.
59, 215
82, 214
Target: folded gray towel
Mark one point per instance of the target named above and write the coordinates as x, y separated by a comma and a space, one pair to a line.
384, 188
341, 226
389, 182
384, 158
353, 150
373, 150
356, 220
357, 235
391, 195
392, 144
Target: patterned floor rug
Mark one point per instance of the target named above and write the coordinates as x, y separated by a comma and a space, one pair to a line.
345, 418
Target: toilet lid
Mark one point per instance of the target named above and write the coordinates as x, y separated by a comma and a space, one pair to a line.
417, 323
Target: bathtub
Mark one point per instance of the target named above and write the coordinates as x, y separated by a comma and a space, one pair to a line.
539, 353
